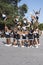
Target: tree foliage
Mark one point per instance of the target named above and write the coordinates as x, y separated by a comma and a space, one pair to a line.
41, 26
23, 9
10, 7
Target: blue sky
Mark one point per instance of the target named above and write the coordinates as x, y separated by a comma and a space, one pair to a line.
33, 4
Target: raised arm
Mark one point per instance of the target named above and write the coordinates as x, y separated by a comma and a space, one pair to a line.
33, 10
39, 10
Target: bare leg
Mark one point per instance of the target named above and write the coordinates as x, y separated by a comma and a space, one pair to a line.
15, 42
8, 41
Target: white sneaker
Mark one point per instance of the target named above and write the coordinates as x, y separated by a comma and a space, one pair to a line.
22, 46
36, 46
28, 47
15, 45
8, 45
32, 46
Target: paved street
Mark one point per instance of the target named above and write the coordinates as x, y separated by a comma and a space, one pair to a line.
21, 56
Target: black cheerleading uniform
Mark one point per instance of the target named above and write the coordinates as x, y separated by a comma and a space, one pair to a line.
16, 22
24, 36
37, 17
16, 35
7, 34
30, 35
35, 34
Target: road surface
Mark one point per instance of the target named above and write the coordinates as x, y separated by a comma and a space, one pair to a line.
21, 56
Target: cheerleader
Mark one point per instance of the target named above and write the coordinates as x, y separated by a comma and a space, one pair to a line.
7, 35
35, 38
23, 38
30, 38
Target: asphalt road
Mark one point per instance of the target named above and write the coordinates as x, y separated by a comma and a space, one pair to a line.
21, 56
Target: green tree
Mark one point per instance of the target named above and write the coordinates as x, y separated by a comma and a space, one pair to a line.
12, 10
36, 24
41, 26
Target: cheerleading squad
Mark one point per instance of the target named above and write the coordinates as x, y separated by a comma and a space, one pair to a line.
22, 37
